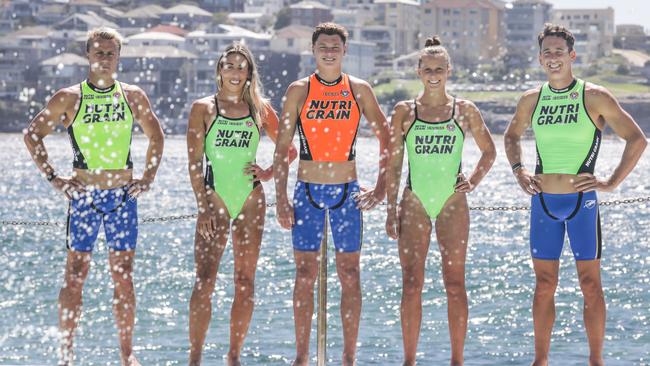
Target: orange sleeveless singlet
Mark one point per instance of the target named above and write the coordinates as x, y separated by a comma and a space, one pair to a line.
329, 121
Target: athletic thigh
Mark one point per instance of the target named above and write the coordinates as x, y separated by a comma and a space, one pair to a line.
414, 233
452, 231
247, 231
584, 229
546, 233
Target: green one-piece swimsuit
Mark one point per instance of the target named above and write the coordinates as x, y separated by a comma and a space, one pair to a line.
231, 144
435, 152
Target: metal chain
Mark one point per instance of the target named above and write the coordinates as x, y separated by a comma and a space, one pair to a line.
148, 220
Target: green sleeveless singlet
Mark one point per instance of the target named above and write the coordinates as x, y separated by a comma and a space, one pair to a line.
100, 132
231, 144
435, 152
567, 139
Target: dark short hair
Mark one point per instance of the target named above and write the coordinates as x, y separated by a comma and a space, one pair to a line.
556, 30
330, 29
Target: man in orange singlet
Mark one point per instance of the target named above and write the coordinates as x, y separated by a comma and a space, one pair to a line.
326, 107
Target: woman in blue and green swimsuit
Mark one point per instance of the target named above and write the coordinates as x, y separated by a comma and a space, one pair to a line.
433, 128
224, 129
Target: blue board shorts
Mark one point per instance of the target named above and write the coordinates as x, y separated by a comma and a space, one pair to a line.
310, 200
114, 208
577, 214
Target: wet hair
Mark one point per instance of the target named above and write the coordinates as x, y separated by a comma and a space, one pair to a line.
556, 30
329, 29
105, 33
252, 93
433, 46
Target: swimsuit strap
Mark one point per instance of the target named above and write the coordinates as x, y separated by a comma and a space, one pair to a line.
216, 104
453, 108
415, 107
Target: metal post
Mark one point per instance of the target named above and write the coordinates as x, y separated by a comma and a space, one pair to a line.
322, 299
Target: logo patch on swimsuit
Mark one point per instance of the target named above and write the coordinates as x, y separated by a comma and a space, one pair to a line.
451, 127
590, 204
345, 93
574, 95
249, 124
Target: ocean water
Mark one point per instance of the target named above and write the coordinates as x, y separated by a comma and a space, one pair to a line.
499, 277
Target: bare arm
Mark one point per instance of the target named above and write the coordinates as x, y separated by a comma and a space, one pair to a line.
59, 111
602, 103
271, 126
195, 150
512, 140
148, 121
287, 127
401, 114
483, 139
377, 120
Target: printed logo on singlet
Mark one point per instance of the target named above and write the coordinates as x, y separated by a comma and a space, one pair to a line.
558, 114
233, 138
105, 112
329, 109
435, 144
590, 204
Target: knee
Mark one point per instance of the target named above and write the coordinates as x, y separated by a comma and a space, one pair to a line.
455, 288
545, 286
244, 286
306, 276
204, 283
412, 283
350, 277
591, 287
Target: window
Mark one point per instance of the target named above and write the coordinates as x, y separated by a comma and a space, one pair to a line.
446, 11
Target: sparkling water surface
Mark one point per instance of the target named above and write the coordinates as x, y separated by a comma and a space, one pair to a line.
500, 279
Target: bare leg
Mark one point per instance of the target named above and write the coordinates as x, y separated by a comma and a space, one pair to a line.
452, 230
76, 271
594, 308
413, 243
121, 263
303, 302
246, 237
546, 274
207, 255
347, 267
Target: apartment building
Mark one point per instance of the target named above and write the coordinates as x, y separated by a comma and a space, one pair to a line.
593, 29
524, 20
472, 30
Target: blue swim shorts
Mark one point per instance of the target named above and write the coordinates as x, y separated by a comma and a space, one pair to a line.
113, 207
576, 214
310, 200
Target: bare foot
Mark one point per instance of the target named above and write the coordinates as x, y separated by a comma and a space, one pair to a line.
233, 361
131, 361
300, 362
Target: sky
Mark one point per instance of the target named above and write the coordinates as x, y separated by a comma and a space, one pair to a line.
625, 11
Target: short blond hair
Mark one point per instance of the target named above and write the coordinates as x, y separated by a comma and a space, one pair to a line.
104, 33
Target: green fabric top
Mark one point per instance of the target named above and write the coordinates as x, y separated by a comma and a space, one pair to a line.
566, 137
101, 130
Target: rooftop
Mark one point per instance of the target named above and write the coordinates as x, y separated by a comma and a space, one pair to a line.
187, 9
154, 52
167, 28
294, 31
309, 5
65, 59
158, 36
147, 11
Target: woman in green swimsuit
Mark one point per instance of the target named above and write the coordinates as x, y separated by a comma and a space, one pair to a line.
433, 128
225, 129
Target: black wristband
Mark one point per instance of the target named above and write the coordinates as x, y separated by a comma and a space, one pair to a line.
516, 166
50, 177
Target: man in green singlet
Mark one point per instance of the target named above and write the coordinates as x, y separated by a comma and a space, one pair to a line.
98, 114
567, 116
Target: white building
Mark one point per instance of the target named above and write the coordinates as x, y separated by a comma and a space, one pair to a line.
593, 29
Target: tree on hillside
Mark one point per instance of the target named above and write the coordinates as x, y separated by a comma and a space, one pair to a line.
282, 18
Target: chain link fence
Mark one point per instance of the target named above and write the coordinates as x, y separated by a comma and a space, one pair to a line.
150, 220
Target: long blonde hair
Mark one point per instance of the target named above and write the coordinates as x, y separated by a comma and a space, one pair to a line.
252, 93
